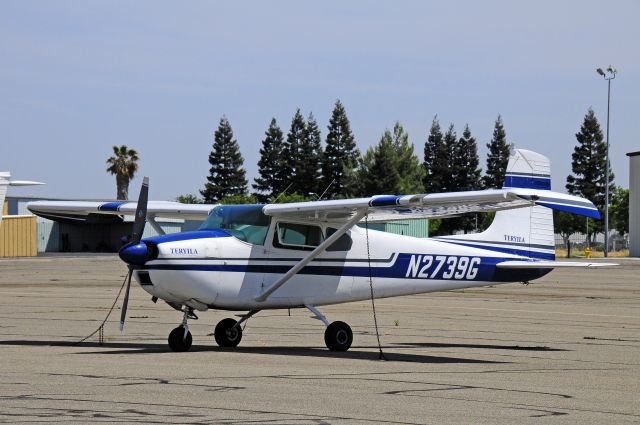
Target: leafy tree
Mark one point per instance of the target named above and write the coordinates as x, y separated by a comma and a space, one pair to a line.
309, 164
620, 210
188, 199
238, 199
123, 164
566, 224
226, 175
588, 167
293, 197
341, 155
436, 160
498, 157
410, 171
380, 162
272, 168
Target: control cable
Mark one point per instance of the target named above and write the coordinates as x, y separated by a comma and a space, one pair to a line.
100, 330
381, 356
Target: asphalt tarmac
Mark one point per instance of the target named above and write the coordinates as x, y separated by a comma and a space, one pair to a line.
565, 349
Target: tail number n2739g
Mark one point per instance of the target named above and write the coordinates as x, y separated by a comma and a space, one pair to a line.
443, 267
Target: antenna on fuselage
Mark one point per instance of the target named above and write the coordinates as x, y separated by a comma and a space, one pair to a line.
325, 191
282, 193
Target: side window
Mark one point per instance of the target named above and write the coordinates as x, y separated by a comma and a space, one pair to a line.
343, 243
297, 236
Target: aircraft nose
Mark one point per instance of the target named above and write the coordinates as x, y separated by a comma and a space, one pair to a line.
136, 254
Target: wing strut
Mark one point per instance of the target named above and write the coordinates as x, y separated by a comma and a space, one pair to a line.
313, 254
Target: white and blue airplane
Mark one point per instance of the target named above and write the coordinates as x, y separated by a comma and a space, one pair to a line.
310, 254
5, 182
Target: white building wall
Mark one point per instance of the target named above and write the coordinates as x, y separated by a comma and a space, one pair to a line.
634, 204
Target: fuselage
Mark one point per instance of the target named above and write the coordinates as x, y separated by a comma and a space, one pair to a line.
228, 269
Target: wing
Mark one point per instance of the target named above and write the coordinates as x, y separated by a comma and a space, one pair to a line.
83, 210
436, 205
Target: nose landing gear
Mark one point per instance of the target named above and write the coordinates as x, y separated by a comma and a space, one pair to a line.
180, 338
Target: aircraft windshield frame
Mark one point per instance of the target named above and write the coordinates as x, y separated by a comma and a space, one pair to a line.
245, 222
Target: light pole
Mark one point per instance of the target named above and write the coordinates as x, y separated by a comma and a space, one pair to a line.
609, 75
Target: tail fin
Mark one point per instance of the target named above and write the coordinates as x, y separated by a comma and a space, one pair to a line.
5, 182
523, 231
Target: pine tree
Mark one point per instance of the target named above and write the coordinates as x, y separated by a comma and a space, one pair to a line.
436, 160
381, 161
466, 172
449, 143
226, 175
309, 164
588, 166
498, 157
292, 150
588, 163
410, 171
271, 166
341, 156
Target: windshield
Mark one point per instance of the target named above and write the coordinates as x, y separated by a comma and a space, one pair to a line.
245, 222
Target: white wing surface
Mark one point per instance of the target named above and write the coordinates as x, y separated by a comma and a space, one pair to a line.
81, 210
437, 205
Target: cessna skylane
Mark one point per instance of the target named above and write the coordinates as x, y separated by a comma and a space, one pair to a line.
309, 254
5, 182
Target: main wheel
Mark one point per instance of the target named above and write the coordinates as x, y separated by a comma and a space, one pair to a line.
227, 334
178, 341
338, 336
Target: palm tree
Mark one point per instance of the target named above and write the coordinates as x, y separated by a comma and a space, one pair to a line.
124, 165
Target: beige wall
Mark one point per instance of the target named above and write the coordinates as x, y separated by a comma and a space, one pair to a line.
18, 236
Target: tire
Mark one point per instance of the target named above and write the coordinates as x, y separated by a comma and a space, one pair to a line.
178, 342
227, 334
338, 336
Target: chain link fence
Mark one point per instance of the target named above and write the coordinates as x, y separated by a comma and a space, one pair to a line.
577, 242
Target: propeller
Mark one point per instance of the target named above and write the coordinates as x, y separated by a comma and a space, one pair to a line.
133, 250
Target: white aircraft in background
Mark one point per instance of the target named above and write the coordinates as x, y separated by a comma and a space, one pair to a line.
5, 182
310, 254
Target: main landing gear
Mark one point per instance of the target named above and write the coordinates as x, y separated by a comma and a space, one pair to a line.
228, 332
338, 335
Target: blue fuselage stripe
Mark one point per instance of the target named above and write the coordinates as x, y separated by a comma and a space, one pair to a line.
486, 269
506, 250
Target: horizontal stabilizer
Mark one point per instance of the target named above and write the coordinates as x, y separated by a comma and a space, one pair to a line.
548, 264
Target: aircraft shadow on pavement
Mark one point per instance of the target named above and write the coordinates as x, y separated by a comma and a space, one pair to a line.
483, 346
159, 348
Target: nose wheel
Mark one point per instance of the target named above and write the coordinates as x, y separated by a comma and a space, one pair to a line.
180, 338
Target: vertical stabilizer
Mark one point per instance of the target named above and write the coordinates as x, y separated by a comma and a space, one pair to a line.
523, 231
5, 182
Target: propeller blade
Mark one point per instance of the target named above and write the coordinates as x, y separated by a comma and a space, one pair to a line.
125, 303
141, 212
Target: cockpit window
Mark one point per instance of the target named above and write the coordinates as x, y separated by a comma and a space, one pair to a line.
245, 222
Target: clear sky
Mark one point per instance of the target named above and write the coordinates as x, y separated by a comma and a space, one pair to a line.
77, 77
